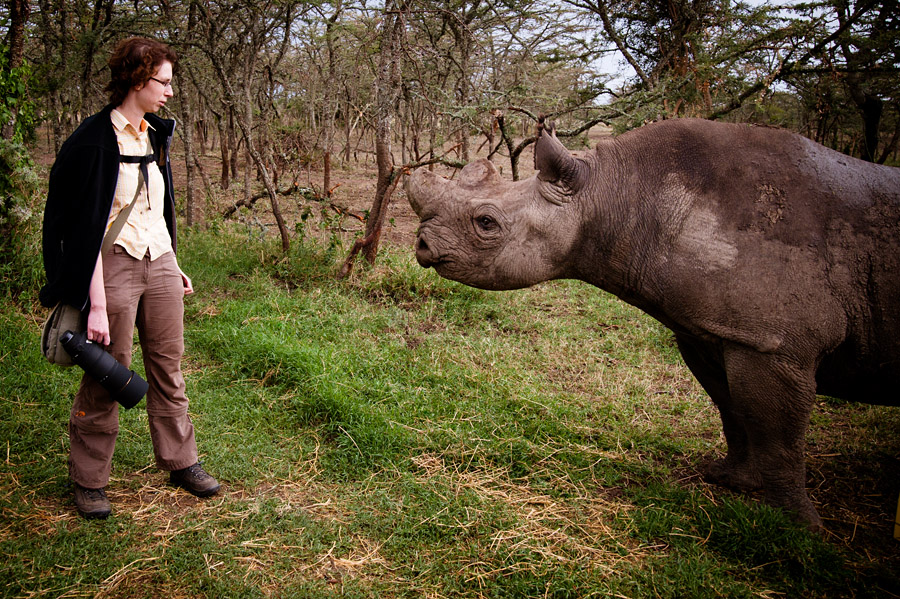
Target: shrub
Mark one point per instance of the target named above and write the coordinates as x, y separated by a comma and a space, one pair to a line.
20, 267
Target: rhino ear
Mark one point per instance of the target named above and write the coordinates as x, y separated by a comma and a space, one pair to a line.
478, 173
555, 164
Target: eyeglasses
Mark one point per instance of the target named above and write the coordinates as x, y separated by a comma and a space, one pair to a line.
163, 83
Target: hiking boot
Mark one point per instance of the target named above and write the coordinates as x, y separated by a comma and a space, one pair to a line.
92, 503
195, 479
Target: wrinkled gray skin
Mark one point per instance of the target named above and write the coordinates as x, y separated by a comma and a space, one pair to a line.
774, 261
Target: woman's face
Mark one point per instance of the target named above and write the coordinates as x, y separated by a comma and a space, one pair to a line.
153, 95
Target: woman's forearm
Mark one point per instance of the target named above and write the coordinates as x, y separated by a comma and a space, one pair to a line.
98, 321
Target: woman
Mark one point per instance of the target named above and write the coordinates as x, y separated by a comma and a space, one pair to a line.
137, 283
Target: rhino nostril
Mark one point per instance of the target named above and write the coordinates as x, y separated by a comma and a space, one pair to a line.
424, 256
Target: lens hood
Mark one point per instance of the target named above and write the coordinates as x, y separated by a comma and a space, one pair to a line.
124, 385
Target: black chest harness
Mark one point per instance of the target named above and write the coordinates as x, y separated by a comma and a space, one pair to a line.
142, 162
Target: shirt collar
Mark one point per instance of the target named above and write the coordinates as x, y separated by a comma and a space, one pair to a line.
122, 124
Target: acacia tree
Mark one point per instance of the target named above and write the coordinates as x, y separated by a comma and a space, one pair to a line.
689, 57
521, 57
544, 61
710, 58
188, 98
95, 37
862, 53
70, 49
465, 19
457, 70
398, 55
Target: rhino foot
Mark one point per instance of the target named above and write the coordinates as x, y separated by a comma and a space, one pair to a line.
739, 477
799, 507
745, 479
809, 515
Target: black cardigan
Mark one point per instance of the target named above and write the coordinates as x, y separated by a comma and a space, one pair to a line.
80, 197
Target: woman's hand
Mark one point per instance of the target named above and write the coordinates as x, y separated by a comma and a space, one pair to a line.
98, 325
186, 281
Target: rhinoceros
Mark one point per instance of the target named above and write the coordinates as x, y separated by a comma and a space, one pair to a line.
774, 260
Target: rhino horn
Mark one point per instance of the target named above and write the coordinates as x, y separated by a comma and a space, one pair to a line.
423, 184
555, 164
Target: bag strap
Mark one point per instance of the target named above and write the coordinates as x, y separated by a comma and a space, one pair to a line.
117, 225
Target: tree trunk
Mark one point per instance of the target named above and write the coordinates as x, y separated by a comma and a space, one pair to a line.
348, 130
461, 38
330, 97
891, 146
91, 50
387, 94
871, 110
189, 117
49, 35
245, 126
19, 10
233, 144
245, 123
224, 149
326, 174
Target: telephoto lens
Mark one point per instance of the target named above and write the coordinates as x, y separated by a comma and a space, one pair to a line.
124, 385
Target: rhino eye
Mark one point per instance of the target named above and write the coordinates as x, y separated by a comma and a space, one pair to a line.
486, 223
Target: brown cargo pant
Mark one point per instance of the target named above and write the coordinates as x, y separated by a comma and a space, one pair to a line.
151, 296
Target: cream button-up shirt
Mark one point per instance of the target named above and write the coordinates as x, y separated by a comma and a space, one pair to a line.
145, 230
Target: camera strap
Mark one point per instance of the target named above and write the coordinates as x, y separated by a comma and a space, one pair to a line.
117, 225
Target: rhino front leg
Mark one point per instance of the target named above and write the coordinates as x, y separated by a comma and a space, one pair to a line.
771, 398
737, 470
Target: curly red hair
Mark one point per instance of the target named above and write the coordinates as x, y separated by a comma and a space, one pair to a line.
132, 63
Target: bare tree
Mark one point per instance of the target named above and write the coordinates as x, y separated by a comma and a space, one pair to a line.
387, 95
331, 89
240, 33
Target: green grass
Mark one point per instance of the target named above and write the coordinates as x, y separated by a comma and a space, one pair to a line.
399, 435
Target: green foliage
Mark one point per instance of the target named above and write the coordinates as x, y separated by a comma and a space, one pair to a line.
20, 270
17, 111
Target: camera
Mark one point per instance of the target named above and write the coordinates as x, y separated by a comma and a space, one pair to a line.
124, 385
